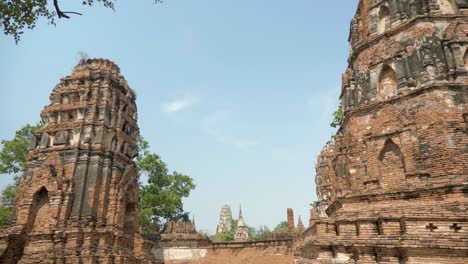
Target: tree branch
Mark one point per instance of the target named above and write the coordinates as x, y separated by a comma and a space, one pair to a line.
60, 13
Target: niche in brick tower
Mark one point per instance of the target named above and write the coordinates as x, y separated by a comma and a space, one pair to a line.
387, 82
384, 19
447, 6
131, 217
40, 217
392, 164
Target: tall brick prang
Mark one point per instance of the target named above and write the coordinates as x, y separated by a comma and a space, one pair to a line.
392, 186
78, 199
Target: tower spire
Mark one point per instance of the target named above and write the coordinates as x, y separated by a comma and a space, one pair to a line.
242, 233
300, 226
240, 220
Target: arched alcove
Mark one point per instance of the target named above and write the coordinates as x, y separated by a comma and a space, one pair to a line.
392, 164
384, 19
387, 82
130, 219
41, 210
447, 6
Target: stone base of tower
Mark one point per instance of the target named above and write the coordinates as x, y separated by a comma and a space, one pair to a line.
71, 246
372, 255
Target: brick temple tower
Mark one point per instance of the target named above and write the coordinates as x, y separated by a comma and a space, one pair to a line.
392, 187
78, 199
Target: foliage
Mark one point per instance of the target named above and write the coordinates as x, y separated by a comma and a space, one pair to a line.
228, 236
262, 233
14, 152
161, 198
337, 117
17, 15
13, 161
314, 203
281, 227
4, 215
9, 194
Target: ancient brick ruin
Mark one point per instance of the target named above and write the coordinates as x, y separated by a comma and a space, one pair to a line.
393, 185
78, 199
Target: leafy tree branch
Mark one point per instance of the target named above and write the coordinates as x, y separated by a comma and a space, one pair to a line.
18, 15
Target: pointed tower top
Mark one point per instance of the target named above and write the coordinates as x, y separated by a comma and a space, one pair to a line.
193, 220
300, 226
240, 221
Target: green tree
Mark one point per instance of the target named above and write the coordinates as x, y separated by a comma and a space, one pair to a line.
229, 235
18, 15
14, 152
13, 161
161, 198
337, 117
281, 227
262, 233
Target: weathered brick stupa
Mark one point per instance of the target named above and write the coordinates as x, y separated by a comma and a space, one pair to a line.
78, 199
393, 186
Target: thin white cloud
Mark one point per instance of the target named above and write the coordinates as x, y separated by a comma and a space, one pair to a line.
327, 103
215, 123
245, 144
179, 104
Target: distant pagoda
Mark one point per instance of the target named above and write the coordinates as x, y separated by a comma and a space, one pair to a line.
242, 233
225, 218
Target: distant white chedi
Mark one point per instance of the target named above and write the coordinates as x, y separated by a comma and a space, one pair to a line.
225, 218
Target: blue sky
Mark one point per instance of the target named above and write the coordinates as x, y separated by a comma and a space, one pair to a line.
236, 94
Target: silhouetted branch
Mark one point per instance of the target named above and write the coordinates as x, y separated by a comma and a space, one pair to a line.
60, 13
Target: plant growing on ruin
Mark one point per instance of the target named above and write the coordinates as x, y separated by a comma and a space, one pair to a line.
315, 203
161, 198
17, 15
337, 117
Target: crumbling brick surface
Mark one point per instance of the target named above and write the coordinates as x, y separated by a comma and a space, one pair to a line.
392, 186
